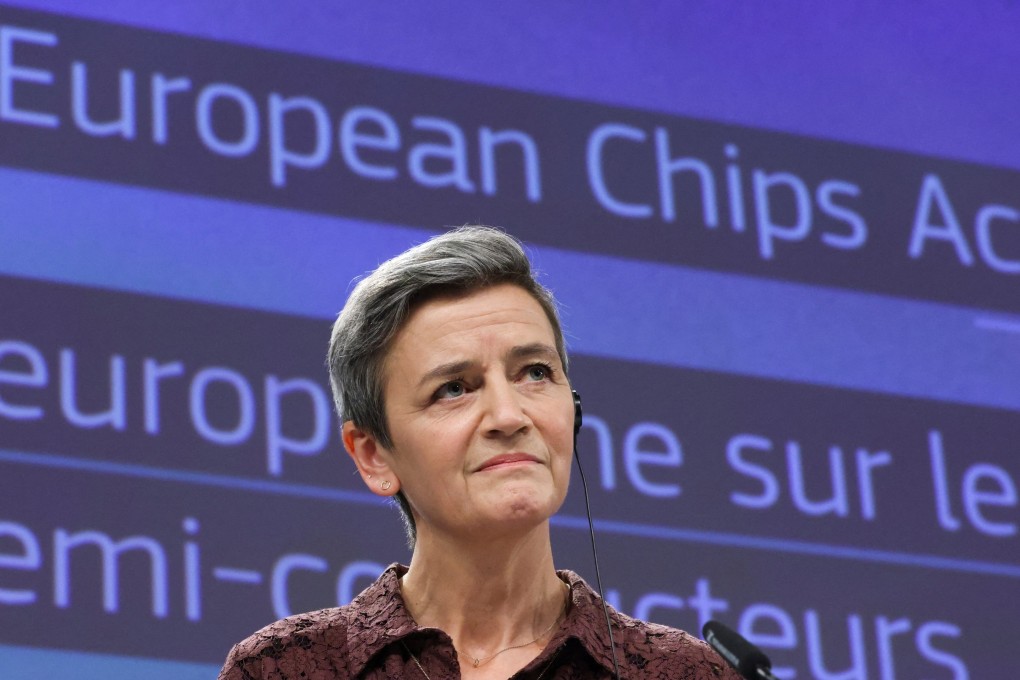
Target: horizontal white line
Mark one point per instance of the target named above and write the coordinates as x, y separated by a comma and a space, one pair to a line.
239, 575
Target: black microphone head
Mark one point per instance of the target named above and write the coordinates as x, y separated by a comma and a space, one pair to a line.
738, 652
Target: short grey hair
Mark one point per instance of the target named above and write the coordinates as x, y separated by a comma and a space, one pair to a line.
458, 262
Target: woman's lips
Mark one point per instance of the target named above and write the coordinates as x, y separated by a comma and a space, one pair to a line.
508, 459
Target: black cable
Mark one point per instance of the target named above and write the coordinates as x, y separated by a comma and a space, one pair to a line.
595, 558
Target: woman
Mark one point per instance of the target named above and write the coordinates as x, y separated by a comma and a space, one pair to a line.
448, 369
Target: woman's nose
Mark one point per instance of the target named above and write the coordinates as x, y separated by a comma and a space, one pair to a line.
504, 412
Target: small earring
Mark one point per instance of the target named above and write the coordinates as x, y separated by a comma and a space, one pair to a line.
370, 476
386, 485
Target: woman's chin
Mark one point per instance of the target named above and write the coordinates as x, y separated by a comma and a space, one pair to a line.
524, 504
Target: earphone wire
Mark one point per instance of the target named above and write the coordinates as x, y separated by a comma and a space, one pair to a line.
595, 559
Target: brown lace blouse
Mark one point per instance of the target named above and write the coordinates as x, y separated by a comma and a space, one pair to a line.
370, 638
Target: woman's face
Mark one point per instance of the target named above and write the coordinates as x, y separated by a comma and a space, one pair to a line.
480, 413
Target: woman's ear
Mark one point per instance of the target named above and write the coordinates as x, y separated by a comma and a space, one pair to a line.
372, 460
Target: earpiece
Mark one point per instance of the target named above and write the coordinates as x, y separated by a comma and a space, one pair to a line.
578, 418
578, 412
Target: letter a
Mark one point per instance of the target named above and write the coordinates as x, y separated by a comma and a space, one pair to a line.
932, 195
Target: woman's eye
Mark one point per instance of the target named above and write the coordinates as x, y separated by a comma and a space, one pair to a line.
538, 372
450, 390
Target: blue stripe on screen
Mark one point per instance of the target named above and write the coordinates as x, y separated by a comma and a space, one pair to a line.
143, 240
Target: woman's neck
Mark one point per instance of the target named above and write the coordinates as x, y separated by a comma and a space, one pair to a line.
486, 596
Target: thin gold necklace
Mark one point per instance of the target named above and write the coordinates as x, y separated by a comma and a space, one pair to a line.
418, 663
476, 661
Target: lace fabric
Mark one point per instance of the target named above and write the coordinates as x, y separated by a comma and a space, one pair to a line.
363, 640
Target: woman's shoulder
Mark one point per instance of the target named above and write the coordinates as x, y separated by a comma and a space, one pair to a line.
324, 642
643, 649
659, 650
313, 640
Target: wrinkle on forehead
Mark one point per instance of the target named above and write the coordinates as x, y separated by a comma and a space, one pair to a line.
451, 327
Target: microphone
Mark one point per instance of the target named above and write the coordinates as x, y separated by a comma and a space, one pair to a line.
748, 660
